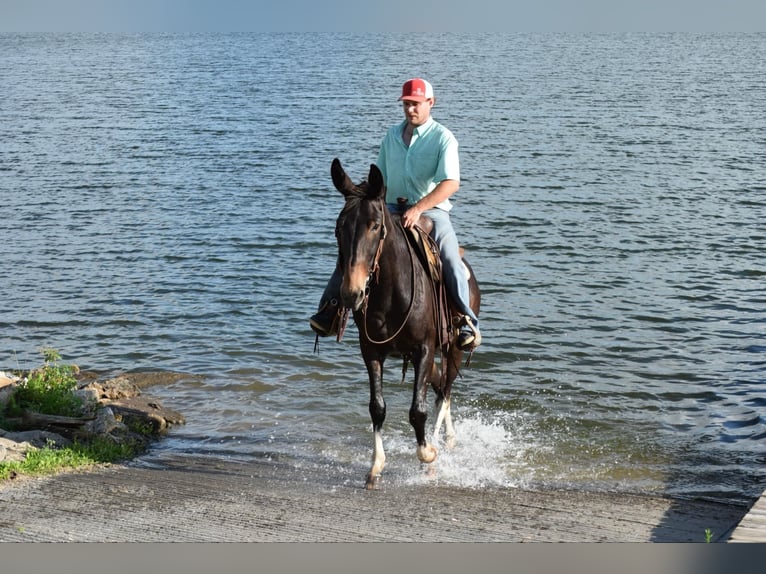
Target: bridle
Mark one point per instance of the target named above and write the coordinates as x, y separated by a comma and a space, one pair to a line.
375, 274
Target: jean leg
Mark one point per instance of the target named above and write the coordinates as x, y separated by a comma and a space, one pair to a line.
332, 290
452, 265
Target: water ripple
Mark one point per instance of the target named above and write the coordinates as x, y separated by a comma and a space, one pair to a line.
168, 207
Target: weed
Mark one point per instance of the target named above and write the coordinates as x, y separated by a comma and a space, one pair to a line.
708, 535
138, 425
48, 389
49, 460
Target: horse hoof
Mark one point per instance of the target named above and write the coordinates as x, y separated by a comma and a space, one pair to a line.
373, 482
427, 454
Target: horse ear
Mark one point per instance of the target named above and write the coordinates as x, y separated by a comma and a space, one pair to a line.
375, 179
339, 178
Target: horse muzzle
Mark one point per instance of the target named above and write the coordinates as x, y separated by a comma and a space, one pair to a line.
354, 287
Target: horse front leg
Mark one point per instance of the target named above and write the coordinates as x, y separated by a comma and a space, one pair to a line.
378, 415
419, 409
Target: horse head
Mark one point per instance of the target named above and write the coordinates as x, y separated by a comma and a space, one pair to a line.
359, 230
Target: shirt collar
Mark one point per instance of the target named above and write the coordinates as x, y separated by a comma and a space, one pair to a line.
421, 129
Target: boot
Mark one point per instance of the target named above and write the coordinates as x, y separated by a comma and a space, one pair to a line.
469, 337
325, 321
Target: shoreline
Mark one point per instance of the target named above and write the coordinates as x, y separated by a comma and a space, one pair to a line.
191, 498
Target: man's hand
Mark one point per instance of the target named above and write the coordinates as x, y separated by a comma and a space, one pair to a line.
411, 216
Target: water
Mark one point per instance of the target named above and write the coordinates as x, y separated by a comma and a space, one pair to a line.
166, 205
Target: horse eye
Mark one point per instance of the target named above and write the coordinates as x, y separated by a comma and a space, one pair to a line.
375, 226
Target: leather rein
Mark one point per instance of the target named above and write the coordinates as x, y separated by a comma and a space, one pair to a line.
375, 273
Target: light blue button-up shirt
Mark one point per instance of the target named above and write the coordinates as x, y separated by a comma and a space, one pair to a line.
413, 172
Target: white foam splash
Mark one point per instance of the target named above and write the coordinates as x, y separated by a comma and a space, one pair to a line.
486, 453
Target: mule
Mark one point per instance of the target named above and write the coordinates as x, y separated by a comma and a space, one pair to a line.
396, 310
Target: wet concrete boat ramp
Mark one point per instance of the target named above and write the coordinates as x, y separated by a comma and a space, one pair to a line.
202, 499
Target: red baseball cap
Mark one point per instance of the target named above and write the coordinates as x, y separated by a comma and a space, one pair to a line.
417, 90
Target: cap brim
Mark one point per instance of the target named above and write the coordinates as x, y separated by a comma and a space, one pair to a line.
414, 98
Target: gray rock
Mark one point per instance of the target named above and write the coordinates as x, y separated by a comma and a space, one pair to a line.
104, 423
38, 438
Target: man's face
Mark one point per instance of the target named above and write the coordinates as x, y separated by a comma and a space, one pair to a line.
417, 113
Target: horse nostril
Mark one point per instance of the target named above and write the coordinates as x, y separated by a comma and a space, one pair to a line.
354, 287
352, 299
358, 299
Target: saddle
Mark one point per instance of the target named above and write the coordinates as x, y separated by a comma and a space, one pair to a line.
428, 251
446, 317
428, 254
426, 248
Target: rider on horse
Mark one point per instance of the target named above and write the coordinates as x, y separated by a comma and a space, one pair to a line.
419, 162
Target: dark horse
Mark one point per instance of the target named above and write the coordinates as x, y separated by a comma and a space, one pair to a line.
394, 305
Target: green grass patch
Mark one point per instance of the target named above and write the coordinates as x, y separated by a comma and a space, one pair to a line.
48, 389
47, 460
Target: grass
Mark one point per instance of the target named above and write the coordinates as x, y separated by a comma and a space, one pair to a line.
48, 460
50, 390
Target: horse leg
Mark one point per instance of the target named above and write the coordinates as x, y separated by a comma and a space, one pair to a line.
449, 429
444, 416
419, 408
378, 415
444, 397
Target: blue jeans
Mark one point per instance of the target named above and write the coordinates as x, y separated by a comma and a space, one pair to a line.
453, 271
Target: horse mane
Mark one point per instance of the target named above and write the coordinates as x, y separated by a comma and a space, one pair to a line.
358, 192
354, 196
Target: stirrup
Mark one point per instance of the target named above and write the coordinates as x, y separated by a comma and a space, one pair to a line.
337, 326
468, 340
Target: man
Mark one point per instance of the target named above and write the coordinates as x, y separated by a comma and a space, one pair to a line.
419, 161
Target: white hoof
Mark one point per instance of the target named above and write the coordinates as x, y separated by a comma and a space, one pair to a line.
427, 454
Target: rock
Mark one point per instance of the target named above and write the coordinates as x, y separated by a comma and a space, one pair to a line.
151, 379
13, 451
142, 411
14, 446
7, 386
113, 389
38, 438
7, 379
114, 409
5, 395
88, 395
104, 423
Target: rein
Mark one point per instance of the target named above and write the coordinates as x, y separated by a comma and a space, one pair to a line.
375, 271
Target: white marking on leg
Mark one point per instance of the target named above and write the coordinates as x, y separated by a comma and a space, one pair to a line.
450, 430
378, 456
442, 405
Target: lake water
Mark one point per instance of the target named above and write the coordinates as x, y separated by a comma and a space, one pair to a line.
167, 206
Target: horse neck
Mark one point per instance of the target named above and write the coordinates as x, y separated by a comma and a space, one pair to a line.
394, 254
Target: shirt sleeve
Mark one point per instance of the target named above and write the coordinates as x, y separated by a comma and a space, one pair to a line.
448, 166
